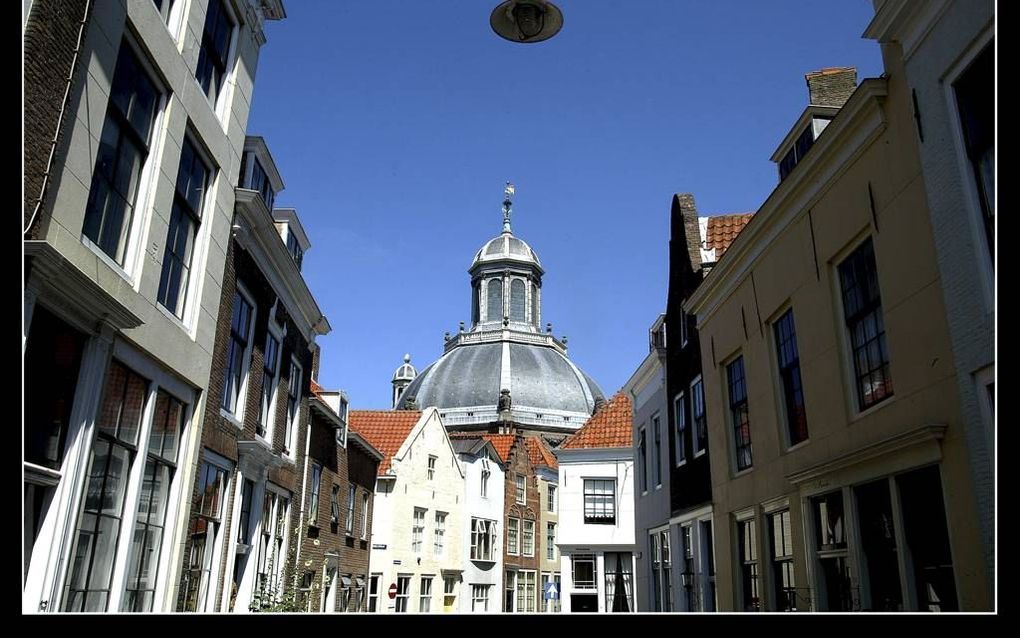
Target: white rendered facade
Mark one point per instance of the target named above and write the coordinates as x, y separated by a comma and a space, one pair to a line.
484, 504
406, 500
609, 544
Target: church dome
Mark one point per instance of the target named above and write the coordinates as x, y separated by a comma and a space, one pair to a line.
506, 247
547, 390
406, 371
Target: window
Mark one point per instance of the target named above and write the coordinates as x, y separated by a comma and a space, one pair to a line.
738, 413
244, 523
305, 590
517, 300
123, 150
513, 526
334, 505
212, 58
449, 593
619, 572
708, 562
271, 550
698, 420
483, 539
480, 597
237, 354
975, 97
680, 415
550, 498
260, 182
207, 509
749, 565
351, 494
373, 592
185, 216
494, 310
160, 467
485, 479
528, 546
364, 516
99, 522
862, 307
519, 483
293, 405
270, 363
294, 248
643, 458
667, 564
417, 530
313, 508
550, 541
600, 501
789, 375
683, 328
526, 594
784, 586
164, 7
509, 590
439, 533
432, 468
655, 542
425, 594
658, 450
835, 592
403, 588
583, 574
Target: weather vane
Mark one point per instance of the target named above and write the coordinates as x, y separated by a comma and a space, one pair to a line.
508, 194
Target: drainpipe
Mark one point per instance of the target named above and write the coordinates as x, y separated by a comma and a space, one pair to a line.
60, 118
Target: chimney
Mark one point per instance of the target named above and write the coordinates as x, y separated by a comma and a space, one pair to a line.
831, 86
315, 362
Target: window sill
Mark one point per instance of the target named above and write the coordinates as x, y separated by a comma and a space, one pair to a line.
746, 470
797, 446
682, 463
106, 259
658, 487
231, 418
174, 319
600, 522
871, 409
699, 453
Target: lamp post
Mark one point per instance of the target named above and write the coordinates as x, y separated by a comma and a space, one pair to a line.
526, 20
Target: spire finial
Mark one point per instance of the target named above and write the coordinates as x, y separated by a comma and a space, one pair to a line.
508, 194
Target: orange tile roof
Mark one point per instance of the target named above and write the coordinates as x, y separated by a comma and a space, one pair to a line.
723, 229
315, 387
386, 430
609, 427
502, 442
539, 452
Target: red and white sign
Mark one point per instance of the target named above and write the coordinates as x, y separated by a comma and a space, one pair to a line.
393, 591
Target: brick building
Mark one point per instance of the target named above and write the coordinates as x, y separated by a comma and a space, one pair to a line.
251, 469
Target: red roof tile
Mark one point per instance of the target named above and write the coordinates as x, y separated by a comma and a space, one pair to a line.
315, 387
386, 430
539, 452
723, 229
502, 442
609, 427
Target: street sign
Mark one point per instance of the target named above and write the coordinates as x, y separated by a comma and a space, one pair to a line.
393, 591
552, 592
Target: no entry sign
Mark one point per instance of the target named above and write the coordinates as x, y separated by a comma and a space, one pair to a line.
393, 591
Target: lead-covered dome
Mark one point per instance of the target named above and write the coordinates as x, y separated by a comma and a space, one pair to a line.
506, 247
546, 389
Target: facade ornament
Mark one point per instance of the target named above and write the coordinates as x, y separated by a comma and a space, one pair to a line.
508, 194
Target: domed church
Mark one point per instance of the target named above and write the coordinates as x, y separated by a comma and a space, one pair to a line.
504, 372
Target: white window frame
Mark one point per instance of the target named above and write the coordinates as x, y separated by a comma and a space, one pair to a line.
425, 583
521, 590
418, 530
680, 418
206, 600
431, 469
334, 504
237, 417
292, 423
476, 536
484, 487
550, 501
439, 534
683, 326
513, 542
520, 488
698, 451
642, 449
406, 596
364, 515
739, 518
524, 547
480, 596
315, 485
352, 495
225, 94
275, 331
656, 421
550, 546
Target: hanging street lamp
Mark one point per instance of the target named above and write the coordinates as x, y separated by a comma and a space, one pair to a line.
526, 20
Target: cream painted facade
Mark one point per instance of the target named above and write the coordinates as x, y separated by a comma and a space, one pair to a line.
860, 180
407, 488
549, 567
114, 305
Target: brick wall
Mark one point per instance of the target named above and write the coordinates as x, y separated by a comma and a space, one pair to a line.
520, 464
51, 34
832, 86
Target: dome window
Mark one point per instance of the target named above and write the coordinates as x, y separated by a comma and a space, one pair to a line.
494, 294
518, 293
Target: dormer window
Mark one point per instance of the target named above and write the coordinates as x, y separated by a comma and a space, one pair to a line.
260, 181
804, 142
294, 248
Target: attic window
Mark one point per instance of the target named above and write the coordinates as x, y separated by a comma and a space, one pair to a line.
802, 145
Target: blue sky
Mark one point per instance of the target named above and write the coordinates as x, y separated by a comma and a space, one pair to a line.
395, 125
